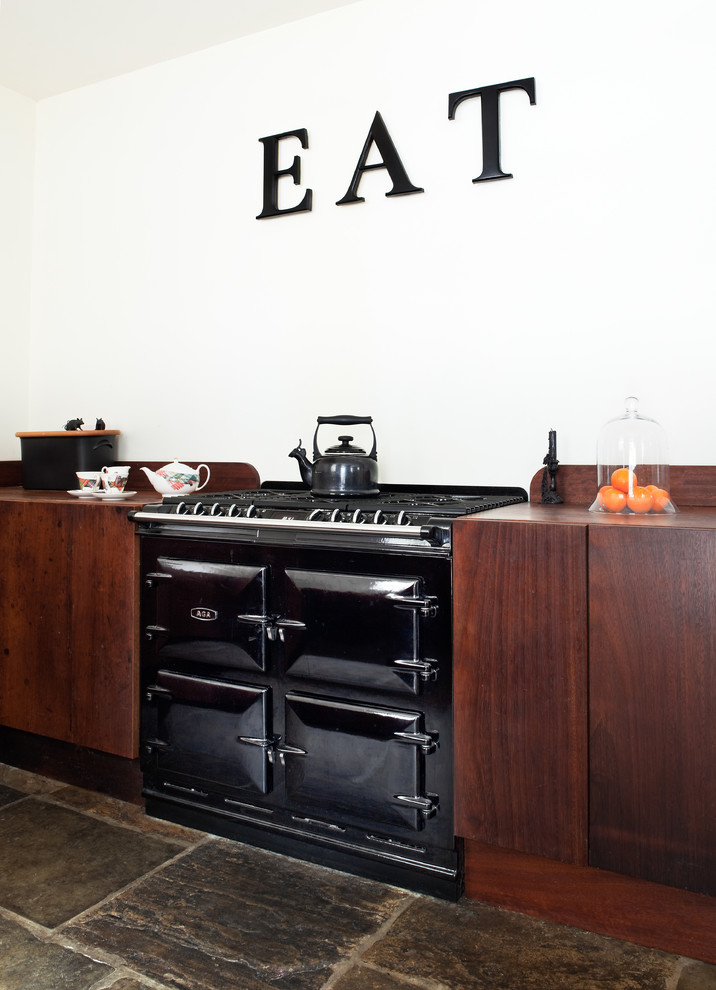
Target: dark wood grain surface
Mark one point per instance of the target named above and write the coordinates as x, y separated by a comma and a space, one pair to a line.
520, 697
67, 626
652, 681
10, 473
646, 913
652, 694
35, 683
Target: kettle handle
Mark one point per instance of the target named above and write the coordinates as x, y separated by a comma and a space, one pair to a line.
345, 421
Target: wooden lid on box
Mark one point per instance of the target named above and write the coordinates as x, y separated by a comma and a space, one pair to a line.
72, 433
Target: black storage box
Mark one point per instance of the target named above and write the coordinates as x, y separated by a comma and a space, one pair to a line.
51, 460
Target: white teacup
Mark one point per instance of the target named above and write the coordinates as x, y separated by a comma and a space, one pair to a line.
89, 481
114, 479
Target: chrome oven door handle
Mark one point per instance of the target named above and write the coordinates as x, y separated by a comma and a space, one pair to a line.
427, 741
425, 604
427, 669
283, 751
426, 805
258, 620
281, 625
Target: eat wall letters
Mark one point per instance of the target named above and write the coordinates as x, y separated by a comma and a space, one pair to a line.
379, 136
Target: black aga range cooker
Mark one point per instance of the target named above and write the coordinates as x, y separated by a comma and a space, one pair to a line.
296, 673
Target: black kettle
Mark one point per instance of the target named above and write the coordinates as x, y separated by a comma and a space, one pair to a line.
343, 469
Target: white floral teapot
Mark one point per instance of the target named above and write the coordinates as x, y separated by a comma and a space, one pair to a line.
177, 478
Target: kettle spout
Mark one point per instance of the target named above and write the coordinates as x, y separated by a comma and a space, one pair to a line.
304, 465
158, 483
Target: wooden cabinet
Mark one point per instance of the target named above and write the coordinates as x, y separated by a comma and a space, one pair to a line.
520, 697
585, 719
67, 622
652, 687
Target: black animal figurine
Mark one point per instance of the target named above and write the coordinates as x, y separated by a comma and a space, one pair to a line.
74, 424
99, 425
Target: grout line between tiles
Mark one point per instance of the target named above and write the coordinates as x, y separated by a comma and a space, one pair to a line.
17, 800
680, 964
355, 957
58, 929
109, 820
123, 973
16, 778
40, 932
352, 963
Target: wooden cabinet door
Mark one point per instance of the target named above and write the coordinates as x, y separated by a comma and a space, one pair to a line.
102, 622
35, 687
520, 655
653, 703
67, 657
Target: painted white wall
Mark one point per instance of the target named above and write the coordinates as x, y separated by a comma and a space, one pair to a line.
17, 142
468, 320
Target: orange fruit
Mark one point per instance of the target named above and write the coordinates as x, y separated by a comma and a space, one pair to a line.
662, 499
640, 500
621, 478
612, 499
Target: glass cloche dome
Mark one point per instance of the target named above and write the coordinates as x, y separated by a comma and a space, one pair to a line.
632, 465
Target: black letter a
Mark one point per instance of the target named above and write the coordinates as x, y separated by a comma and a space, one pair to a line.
402, 185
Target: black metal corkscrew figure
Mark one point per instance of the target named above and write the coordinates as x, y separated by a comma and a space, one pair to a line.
550, 496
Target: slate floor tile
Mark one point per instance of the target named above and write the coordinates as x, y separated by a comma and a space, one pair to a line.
8, 795
23, 780
121, 811
27, 963
227, 915
697, 976
364, 978
471, 946
56, 862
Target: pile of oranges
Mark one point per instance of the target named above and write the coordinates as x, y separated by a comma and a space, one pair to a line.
625, 493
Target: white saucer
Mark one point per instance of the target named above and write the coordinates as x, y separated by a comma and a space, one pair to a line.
82, 492
113, 496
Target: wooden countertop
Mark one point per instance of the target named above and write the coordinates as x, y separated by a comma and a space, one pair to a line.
17, 493
693, 489
688, 517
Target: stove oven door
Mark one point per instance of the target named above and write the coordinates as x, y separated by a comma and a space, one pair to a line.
370, 630
201, 733
207, 612
356, 764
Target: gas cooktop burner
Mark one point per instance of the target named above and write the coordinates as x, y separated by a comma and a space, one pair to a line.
403, 517
401, 505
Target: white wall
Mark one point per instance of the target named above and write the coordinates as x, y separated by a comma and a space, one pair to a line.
468, 320
17, 138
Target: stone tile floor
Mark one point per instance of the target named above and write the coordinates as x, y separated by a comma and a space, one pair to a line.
95, 895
